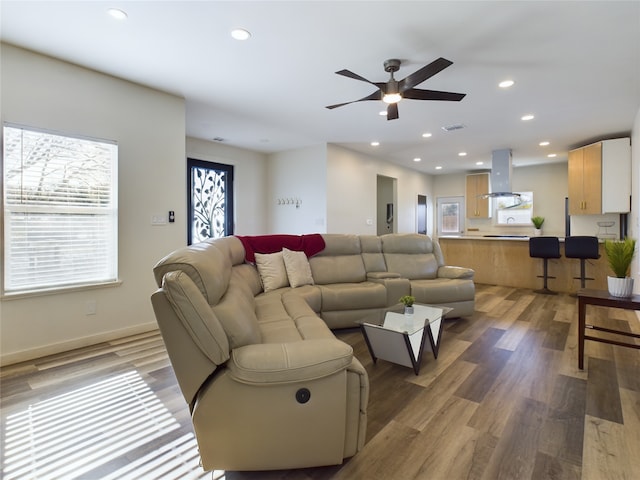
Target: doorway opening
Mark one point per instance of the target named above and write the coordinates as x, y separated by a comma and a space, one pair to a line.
386, 205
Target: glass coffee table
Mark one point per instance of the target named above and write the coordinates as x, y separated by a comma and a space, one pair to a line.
402, 338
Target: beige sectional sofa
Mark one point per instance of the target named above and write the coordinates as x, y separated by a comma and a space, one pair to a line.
268, 384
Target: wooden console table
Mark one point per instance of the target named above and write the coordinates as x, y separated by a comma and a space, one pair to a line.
602, 298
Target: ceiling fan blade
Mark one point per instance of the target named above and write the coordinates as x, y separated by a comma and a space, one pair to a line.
355, 76
392, 111
415, 94
377, 95
424, 73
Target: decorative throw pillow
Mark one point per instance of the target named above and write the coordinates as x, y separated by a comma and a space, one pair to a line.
298, 269
272, 271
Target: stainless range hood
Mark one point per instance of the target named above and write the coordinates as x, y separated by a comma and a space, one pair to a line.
501, 170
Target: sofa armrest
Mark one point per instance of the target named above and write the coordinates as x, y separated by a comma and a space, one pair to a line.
448, 271
269, 363
380, 275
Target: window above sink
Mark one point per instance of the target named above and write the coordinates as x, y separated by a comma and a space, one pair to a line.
514, 210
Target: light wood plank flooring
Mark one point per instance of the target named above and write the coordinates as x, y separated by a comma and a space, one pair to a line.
504, 400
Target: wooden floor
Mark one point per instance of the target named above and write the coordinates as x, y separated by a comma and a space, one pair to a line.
504, 400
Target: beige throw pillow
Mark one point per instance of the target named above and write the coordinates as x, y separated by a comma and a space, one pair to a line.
298, 269
272, 270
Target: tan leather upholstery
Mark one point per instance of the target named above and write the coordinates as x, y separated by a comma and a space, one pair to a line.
268, 384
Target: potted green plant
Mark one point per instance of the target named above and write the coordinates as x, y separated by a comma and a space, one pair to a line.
407, 301
537, 223
620, 253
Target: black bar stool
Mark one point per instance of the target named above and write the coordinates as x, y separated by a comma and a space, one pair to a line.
545, 248
581, 247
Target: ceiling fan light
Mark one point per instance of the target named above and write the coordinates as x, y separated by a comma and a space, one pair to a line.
392, 98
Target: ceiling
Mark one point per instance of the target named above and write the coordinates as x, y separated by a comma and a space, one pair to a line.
576, 67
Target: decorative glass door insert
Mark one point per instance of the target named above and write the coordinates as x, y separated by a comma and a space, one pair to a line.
210, 202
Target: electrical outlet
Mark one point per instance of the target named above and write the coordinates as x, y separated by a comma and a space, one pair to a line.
158, 219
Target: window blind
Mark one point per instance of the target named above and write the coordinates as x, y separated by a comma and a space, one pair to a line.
60, 210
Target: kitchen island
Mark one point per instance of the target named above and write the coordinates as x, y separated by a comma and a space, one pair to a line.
505, 261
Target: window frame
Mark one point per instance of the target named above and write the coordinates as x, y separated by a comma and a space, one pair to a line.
110, 232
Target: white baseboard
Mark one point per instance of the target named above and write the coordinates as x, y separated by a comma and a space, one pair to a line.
31, 354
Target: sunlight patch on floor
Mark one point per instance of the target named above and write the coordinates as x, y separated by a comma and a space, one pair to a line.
71, 434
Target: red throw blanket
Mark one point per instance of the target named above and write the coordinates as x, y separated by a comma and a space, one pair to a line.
309, 244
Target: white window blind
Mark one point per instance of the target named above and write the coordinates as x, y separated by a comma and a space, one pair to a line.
60, 211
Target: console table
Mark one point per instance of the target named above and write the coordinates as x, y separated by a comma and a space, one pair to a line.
602, 298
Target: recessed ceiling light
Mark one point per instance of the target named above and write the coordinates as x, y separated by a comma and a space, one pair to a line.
438, 167
462, 154
527, 117
543, 144
552, 155
117, 13
479, 163
426, 135
375, 144
417, 159
240, 34
506, 84
382, 112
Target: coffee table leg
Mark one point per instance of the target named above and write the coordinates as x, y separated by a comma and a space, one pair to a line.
366, 339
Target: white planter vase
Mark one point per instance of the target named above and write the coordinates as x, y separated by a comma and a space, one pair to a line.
620, 287
537, 232
408, 310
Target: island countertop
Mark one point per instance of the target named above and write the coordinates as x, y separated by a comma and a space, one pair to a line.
505, 261
517, 238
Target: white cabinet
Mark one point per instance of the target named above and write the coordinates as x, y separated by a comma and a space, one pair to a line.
616, 175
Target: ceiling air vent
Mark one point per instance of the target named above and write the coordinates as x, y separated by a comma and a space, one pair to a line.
451, 128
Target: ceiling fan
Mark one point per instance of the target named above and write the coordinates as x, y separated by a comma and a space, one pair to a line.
394, 90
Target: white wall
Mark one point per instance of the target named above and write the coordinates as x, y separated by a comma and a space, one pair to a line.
297, 174
149, 128
249, 186
351, 192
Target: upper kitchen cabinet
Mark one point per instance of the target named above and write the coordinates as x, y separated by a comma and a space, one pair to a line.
477, 185
600, 178
585, 180
616, 175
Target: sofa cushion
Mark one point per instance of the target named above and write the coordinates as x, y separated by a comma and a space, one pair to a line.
410, 255
274, 321
371, 247
298, 269
309, 293
353, 296
273, 273
442, 290
196, 316
412, 266
248, 275
236, 312
339, 269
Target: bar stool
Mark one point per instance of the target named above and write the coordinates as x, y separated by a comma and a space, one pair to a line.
581, 247
545, 248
